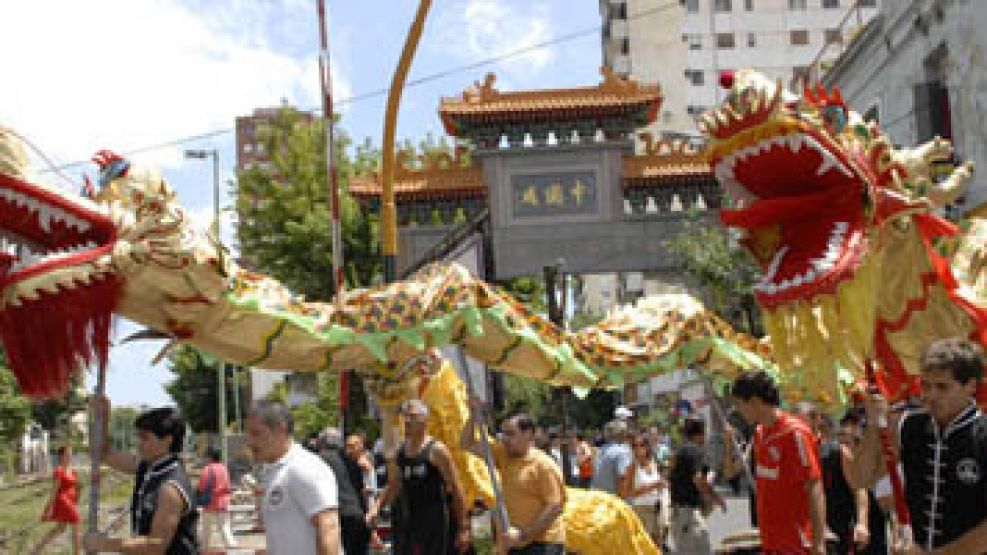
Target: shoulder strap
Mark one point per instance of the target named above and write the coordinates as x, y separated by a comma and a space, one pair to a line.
427, 450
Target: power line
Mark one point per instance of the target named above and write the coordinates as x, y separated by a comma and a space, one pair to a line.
383, 91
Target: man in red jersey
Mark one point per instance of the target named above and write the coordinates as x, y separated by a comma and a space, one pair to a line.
791, 506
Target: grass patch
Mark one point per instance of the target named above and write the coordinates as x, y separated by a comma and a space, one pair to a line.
20, 518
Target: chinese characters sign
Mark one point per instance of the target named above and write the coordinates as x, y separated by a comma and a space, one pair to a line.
554, 194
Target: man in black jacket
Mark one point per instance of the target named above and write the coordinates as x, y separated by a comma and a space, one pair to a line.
352, 503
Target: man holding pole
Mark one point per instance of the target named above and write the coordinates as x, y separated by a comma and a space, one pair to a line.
533, 488
162, 509
943, 452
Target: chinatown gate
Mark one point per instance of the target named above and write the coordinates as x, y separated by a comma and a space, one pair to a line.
552, 175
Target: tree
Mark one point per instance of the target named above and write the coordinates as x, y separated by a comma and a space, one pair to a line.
194, 388
285, 221
54, 414
15, 413
723, 268
123, 435
314, 417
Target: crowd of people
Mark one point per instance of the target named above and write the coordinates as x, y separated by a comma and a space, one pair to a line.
817, 485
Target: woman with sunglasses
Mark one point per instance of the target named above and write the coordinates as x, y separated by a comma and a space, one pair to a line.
644, 482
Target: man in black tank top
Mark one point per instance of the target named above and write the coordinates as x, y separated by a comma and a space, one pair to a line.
943, 452
421, 480
162, 509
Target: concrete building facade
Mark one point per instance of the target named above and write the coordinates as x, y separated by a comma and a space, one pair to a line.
920, 69
685, 45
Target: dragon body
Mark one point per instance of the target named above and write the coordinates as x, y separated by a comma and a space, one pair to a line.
70, 262
132, 251
847, 232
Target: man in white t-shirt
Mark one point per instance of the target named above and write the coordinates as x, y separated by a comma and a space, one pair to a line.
300, 504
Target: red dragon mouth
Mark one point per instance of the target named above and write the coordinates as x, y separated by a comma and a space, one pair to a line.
797, 194
56, 304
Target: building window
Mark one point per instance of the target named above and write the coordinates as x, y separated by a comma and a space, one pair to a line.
873, 114
751, 40
248, 148
800, 37
834, 36
749, 5
867, 4
695, 110
618, 11
724, 40
831, 3
798, 4
692, 6
625, 46
723, 5
695, 76
694, 40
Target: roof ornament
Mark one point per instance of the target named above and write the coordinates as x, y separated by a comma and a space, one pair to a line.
481, 92
616, 83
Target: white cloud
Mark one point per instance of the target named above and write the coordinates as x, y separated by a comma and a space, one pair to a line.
478, 29
122, 74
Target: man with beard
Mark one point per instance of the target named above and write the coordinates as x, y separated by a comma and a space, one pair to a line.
533, 488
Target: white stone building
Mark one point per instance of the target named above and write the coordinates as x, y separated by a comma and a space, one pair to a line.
920, 69
685, 45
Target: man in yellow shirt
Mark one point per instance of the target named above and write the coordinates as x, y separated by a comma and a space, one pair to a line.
533, 489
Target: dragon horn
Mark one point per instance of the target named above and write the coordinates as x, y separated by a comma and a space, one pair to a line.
104, 158
838, 96
810, 96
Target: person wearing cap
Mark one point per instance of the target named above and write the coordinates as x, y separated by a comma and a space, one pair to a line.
610, 471
425, 476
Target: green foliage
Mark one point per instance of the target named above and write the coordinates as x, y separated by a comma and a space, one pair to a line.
53, 415
314, 417
15, 414
194, 388
530, 291
285, 221
723, 268
123, 435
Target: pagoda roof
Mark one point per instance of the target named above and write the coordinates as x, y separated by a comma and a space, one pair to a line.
437, 177
482, 104
662, 162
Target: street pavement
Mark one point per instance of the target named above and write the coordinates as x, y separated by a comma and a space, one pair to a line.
721, 524
736, 518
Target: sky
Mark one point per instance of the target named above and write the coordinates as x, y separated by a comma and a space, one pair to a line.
129, 74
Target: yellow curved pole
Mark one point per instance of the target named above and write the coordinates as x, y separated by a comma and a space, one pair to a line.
388, 211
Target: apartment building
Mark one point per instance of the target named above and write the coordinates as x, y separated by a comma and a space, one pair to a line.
685, 44
918, 68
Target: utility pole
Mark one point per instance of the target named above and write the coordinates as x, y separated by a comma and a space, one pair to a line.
332, 176
221, 374
557, 315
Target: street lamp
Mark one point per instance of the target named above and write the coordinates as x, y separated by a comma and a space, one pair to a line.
221, 374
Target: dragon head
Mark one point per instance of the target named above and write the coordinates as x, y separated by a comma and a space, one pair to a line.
800, 180
66, 257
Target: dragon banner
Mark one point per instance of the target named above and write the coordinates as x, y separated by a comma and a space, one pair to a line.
70, 262
847, 230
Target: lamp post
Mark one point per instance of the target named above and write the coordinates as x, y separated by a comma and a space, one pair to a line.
221, 374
